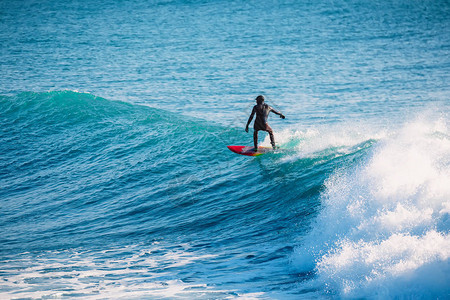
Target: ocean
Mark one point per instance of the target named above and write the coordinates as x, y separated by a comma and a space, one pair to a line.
115, 178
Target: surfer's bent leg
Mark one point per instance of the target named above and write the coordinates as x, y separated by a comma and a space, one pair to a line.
272, 138
255, 139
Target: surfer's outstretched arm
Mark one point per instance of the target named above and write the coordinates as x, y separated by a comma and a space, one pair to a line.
250, 119
277, 112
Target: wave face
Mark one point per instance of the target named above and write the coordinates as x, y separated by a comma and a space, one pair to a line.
109, 199
68, 151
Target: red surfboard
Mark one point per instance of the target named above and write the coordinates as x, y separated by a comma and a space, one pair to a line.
250, 150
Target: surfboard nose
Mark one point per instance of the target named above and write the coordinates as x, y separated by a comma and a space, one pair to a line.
236, 149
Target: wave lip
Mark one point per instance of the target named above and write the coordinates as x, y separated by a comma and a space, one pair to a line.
384, 227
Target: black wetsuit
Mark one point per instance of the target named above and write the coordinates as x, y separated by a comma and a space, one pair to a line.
262, 113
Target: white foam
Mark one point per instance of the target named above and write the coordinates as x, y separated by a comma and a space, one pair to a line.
130, 273
321, 139
383, 230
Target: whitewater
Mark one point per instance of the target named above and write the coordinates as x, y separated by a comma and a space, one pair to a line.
115, 178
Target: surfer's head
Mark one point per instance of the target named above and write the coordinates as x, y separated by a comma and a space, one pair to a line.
260, 99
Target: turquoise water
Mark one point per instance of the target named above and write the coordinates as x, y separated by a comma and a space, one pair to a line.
115, 179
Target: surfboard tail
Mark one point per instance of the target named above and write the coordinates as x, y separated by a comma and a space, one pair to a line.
249, 150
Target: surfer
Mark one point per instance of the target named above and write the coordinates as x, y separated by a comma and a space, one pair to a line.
262, 111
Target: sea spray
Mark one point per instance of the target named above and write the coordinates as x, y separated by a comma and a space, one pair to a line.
384, 228
339, 139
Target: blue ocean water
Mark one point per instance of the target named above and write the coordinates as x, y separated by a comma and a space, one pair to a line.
115, 179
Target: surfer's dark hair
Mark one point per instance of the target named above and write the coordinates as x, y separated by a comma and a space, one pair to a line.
260, 99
